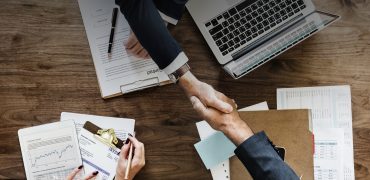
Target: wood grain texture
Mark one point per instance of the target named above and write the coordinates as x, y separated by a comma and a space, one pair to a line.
46, 68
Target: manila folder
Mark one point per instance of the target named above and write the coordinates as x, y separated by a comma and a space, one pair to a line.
286, 128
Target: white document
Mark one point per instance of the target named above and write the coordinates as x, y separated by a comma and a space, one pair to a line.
328, 157
121, 126
50, 151
331, 108
120, 72
257, 107
97, 156
222, 171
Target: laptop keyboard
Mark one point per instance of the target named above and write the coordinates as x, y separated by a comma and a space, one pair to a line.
244, 22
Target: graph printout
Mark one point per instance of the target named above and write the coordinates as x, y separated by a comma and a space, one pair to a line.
50, 151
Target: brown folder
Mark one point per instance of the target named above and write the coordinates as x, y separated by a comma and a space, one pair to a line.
286, 128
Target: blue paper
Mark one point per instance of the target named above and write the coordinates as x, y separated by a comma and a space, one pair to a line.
215, 149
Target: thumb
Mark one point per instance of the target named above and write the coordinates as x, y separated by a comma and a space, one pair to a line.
131, 42
221, 105
198, 106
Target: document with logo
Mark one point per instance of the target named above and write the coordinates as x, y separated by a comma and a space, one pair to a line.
97, 156
120, 72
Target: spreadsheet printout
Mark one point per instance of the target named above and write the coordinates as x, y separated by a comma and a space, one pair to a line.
331, 108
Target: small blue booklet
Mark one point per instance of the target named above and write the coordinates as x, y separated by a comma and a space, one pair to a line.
215, 149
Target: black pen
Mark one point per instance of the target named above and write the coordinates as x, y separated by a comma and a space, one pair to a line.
114, 18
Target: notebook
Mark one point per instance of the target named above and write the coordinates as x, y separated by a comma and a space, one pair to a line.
287, 128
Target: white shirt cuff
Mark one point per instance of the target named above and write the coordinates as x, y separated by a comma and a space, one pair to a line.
167, 18
179, 61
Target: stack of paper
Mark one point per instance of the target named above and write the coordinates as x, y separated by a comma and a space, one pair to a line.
53, 151
331, 125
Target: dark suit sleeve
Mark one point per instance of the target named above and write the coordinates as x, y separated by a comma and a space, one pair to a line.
149, 28
171, 8
262, 161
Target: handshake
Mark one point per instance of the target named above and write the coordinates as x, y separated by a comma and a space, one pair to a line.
216, 108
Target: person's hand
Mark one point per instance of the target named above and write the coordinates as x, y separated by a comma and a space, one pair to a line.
74, 173
134, 47
230, 124
204, 92
138, 159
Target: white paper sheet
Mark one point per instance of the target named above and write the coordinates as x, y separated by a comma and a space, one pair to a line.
120, 69
97, 156
328, 157
222, 171
331, 108
257, 107
50, 151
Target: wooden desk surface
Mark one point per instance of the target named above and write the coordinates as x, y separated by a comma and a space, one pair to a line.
46, 68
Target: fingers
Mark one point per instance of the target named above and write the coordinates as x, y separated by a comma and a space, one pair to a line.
125, 150
134, 47
219, 104
236, 105
199, 106
131, 42
72, 175
138, 51
138, 146
224, 98
138, 159
143, 53
91, 175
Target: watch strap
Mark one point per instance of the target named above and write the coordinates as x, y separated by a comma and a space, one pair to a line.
175, 76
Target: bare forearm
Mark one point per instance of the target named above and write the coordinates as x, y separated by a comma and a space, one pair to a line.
188, 81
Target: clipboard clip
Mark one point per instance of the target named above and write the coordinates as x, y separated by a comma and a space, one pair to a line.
139, 85
107, 136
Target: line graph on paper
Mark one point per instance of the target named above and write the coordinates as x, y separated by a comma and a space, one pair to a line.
58, 150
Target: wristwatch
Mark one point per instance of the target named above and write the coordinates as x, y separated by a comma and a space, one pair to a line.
175, 76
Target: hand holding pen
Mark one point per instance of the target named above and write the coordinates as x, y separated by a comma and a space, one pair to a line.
128, 167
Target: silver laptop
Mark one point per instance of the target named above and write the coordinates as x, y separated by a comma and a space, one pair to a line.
244, 34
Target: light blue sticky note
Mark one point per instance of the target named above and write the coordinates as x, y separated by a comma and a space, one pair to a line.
215, 149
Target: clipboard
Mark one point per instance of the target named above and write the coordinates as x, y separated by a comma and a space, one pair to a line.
159, 78
106, 136
118, 73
